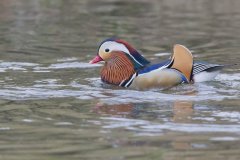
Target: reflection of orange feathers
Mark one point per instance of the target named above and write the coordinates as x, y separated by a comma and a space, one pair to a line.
117, 109
117, 69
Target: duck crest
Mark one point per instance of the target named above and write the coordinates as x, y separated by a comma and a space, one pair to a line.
118, 69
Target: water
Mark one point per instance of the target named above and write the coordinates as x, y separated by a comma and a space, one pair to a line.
54, 106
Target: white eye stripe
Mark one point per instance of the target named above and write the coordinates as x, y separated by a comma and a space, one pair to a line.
113, 46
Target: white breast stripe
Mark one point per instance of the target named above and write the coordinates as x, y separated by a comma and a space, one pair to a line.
122, 82
130, 81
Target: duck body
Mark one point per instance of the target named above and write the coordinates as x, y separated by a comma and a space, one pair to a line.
125, 67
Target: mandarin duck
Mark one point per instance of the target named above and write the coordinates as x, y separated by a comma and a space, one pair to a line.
124, 66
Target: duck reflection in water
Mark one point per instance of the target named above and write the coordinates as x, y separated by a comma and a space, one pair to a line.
176, 112
180, 111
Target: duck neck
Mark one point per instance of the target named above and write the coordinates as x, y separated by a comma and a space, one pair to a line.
117, 69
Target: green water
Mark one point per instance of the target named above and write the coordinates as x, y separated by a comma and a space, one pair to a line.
54, 106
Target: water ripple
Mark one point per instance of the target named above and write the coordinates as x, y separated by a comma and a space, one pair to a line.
51, 87
15, 66
144, 126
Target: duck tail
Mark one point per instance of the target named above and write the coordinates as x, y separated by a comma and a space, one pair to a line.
199, 67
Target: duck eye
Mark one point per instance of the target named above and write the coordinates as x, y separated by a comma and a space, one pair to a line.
107, 50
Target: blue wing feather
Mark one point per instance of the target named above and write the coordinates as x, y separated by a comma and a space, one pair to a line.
164, 64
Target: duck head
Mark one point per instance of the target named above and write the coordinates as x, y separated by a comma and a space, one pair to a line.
113, 47
121, 61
